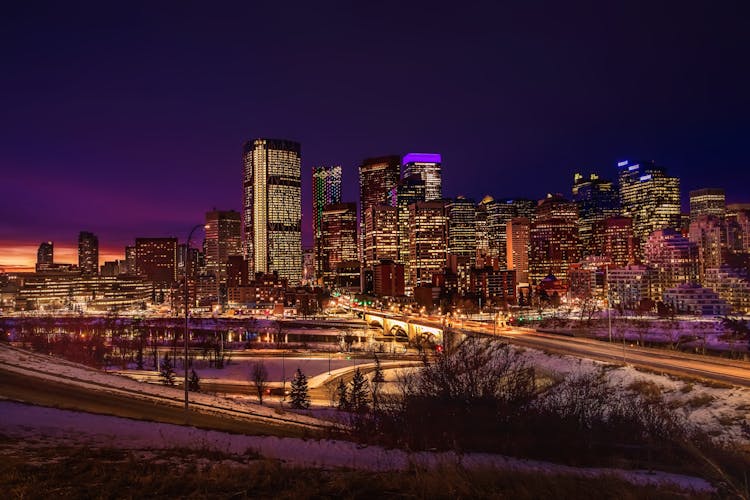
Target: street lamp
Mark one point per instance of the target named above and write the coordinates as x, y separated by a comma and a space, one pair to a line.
187, 309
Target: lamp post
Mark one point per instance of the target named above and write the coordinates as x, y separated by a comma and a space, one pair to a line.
187, 314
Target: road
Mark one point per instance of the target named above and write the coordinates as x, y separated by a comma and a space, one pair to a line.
673, 362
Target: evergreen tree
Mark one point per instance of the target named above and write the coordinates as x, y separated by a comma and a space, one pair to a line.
378, 377
342, 395
194, 382
167, 372
359, 397
299, 396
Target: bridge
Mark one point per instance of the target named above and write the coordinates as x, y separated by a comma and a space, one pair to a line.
405, 327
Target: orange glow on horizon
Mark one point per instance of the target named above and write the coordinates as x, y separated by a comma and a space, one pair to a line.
21, 257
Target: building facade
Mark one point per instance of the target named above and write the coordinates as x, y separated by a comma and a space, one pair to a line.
88, 253
597, 199
326, 191
428, 167
223, 239
707, 201
338, 238
273, 207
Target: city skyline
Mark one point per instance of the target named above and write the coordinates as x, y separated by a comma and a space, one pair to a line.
117, 165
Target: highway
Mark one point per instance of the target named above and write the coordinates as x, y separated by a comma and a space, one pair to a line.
680, 364
676, 363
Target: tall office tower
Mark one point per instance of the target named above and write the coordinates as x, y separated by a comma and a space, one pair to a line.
273, 207
428, 241
428, 166
45, 254
338, 238
553, 239
130, 260
613, 238
673, 258
88, 253
597, 199
462, 222
223, 239
410, 190
517, 231
381, 234
482, 229
707, 201
156, 259
709, 233
326, 191
377, 178
650, 197
308, 266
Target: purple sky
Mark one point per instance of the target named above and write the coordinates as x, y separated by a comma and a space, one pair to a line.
127, 119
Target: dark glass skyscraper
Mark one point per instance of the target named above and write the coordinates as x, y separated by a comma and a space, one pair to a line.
272, 212
597, 200
45, 254
88, 253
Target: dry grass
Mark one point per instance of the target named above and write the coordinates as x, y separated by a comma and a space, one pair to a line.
71, 472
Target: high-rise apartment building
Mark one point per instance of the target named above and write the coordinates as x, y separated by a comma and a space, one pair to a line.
517, 231
45, 254
88, 253
428, 166
650, 197
673, 259
156, 260
428, 241
708, 233
338, 238
326, 191
223, 239
273, 207
381, 234
707, 201
597, 199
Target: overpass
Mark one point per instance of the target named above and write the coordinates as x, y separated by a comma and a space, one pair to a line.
405, 327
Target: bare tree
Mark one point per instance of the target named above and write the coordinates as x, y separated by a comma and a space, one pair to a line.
259, 378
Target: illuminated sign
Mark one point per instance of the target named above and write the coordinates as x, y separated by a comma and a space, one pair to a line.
422, 158
622, 163
646, 177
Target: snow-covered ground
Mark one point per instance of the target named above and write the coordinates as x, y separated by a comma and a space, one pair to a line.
51, 427
722, 411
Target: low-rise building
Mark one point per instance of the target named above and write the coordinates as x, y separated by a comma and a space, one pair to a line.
694, 299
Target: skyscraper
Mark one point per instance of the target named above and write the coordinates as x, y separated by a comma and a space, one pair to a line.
650, 197
377, 178
462, 234
707, 201
428, 166
45, 254
499, 212
326, 191
338, 238
517, 231
597, 199
381, 234
88, 253
428, 238
410, 190
553, 239
223, 239
273, 207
